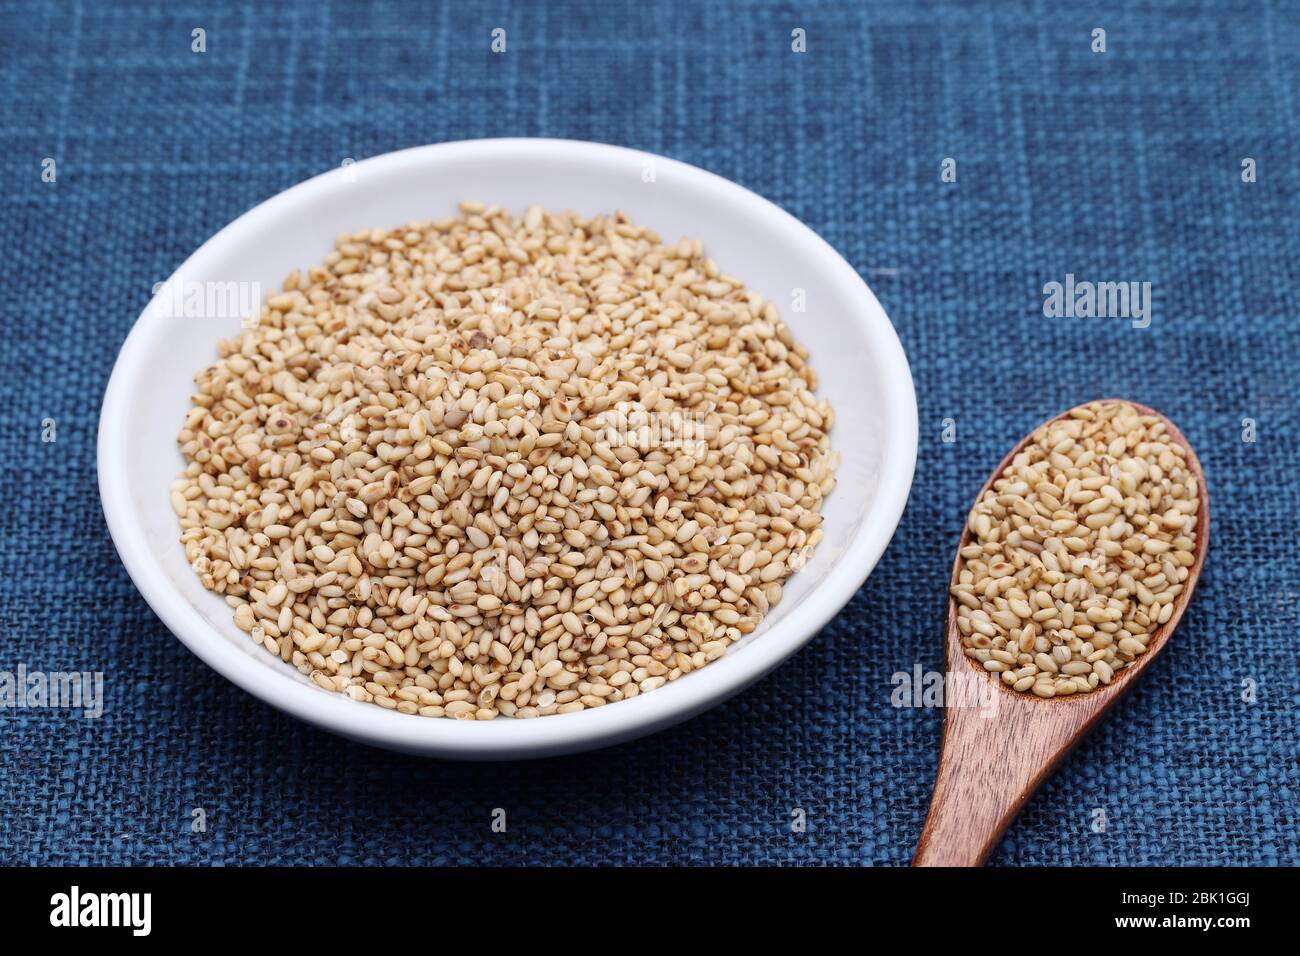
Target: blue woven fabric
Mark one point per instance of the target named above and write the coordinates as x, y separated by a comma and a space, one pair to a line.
1123, 165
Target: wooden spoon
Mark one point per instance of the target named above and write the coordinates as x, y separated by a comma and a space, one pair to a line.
989, 766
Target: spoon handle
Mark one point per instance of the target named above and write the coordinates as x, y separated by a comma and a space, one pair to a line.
992, 760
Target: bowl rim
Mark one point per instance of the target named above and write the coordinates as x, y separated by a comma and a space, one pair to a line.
559, 733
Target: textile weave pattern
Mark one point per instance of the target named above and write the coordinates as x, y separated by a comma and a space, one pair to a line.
1117, 166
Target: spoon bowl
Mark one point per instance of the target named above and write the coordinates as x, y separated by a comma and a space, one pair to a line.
989, 767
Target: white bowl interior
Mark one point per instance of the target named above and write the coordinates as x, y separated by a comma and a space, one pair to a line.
854, 350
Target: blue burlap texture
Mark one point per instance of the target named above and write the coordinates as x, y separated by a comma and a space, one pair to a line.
1122, 165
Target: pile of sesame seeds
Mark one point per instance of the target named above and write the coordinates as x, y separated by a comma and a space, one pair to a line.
486, 466
1078, 551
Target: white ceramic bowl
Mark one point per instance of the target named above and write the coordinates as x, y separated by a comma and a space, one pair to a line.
857, 355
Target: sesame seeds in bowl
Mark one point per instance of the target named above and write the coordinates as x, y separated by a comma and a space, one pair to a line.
479, 467
493, 487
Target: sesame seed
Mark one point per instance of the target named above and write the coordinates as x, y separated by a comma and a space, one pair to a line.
1078, 551
487, 466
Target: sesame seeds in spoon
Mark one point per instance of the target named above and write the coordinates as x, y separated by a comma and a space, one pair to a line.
1075, 566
